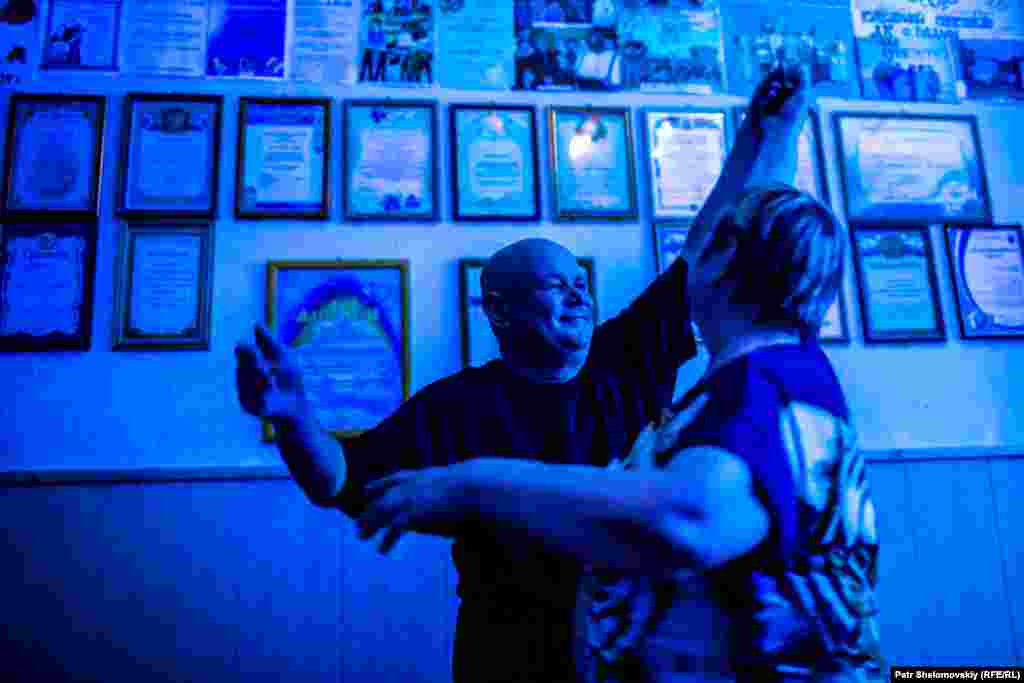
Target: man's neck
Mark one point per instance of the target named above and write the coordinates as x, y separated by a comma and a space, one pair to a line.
559, 374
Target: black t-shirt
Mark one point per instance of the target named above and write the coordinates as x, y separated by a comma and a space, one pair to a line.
517, 597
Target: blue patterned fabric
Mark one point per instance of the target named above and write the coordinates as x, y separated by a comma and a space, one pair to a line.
801, 605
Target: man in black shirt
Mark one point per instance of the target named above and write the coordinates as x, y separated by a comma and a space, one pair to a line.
562, 393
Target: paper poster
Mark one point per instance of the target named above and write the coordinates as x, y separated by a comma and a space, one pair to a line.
19, 42
247, 38
326, 43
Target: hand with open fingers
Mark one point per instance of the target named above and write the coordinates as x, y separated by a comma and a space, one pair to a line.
430, 500
781, 101
268, 379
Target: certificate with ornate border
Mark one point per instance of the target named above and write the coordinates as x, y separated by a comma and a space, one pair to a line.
479, 345
986, 263
685, 152
347, 324
283, 152
390, 160
164, 285
592, 163
810, 161
47, 278
898, 289
170, 156
494, 163
911, 168
53, 157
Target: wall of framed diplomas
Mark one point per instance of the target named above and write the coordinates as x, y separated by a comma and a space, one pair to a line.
173, 175
274, 173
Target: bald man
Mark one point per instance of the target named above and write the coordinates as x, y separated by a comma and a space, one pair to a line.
562, 392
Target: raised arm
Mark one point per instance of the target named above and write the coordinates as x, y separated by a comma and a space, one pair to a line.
269, 386
765, 151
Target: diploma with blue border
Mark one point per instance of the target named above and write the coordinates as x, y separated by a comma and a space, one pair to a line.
47, 274
282, 169
390, 160
898, 288
53, 154
347, 324
494, 157
170, 162
987, 266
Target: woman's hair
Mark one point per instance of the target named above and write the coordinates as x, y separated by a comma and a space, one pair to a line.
789, 255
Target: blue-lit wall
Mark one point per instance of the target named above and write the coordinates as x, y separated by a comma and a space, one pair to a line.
229, 574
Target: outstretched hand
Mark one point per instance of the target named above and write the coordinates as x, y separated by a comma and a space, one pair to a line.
781, 101
267, 377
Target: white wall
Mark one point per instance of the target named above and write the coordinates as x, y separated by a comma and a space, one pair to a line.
105, 409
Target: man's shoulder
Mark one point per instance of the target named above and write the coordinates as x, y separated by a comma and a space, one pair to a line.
462, 385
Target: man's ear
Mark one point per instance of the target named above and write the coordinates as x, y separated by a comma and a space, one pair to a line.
497, 309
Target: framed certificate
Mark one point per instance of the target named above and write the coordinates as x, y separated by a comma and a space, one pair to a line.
479, 345
685, 152
810, 161
494, 163
899, 293
47, 276
282, 158
592, 163
164, 284
902, 168
986, 263
170, 156
54, 157
347, 322
390, 160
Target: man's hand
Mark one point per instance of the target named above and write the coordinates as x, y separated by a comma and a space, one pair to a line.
268, 379
429, 501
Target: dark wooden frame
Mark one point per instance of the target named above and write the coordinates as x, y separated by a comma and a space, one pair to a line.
127, 124
197, 339
971, 120
870, 335
434, 214
55, 214
954, 276
646, 148
82, 339
558, 214
323, 213
402, 265
467, 264
534, 156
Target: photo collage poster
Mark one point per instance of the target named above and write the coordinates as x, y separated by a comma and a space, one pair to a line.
816, 35
939, 51
610, 45
397, 42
